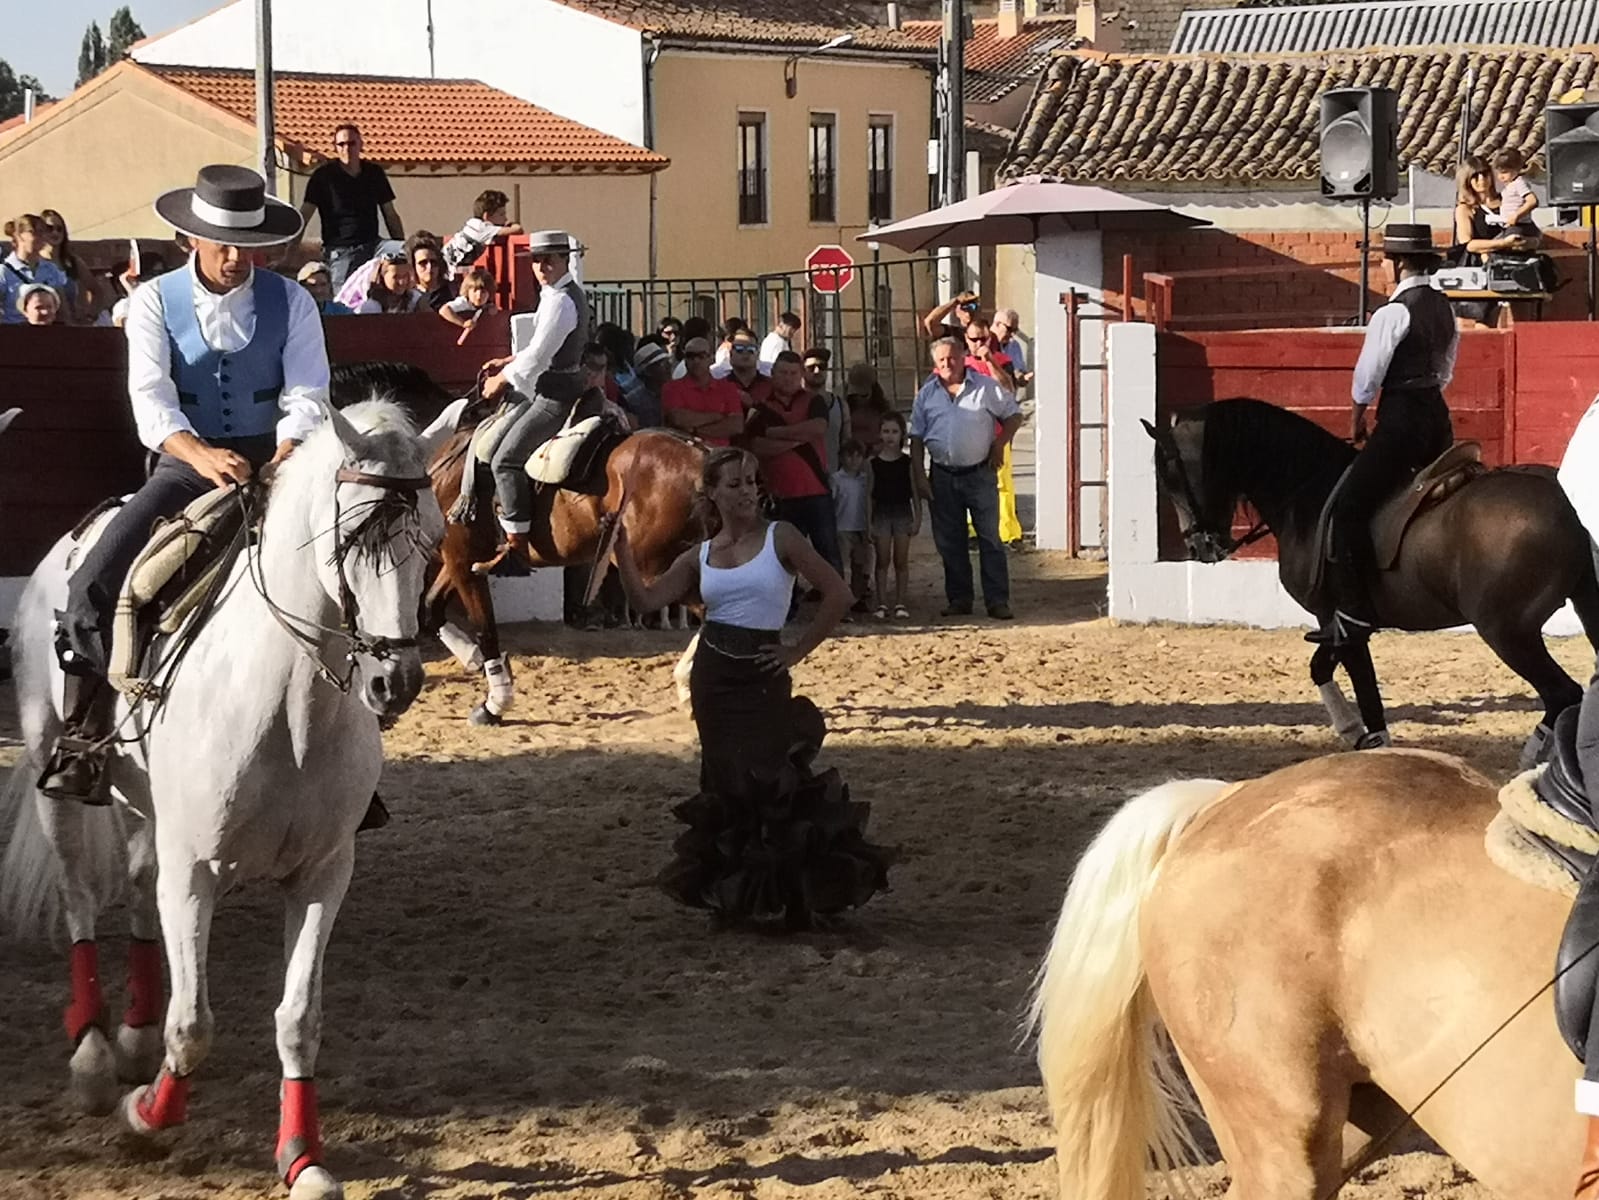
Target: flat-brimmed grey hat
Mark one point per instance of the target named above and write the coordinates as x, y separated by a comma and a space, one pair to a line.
648, 355
551, 241
229, 205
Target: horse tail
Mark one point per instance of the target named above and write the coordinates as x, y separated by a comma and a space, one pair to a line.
1117, 1096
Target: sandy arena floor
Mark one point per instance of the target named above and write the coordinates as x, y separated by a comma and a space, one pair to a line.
513, 1011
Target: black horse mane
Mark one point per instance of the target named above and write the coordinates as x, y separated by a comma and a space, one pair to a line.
1269, 455
401, 382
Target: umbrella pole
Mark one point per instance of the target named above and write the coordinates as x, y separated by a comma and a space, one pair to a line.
1365, 256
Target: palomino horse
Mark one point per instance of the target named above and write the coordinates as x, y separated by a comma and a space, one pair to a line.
1323, 947
1502, 553
257, 761
658, 471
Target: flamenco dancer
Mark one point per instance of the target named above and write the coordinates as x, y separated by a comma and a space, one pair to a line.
769, 840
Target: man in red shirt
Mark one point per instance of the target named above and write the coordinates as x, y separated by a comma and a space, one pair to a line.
984, 356
711, 409
788, 433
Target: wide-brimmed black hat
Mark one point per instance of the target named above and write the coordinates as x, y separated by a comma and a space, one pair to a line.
230, 205
1400, 239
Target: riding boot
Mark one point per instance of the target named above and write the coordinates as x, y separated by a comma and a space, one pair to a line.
76, 769
1351, 619
515, 550
1588, 1173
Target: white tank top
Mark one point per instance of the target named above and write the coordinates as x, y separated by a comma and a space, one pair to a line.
755, 595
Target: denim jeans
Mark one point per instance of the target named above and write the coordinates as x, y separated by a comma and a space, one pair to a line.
954, 496
814, 517
342, 260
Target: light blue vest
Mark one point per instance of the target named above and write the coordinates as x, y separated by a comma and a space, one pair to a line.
228, 395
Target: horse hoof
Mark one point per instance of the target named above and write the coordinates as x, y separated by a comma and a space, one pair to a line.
1376, 740
94, 1074
483, 715
315, 1183
128, 1111
139, 1053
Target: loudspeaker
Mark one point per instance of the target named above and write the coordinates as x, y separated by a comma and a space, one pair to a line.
1571, 145
1359, 143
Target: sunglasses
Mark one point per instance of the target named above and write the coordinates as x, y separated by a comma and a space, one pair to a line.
742, 349
430, 262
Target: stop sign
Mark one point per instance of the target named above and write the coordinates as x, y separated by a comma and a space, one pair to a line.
831, 268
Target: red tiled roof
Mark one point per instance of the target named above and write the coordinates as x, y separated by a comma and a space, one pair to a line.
17, 122
997, 66
410, 121
756, 22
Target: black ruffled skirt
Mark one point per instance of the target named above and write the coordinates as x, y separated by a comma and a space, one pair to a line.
769, 839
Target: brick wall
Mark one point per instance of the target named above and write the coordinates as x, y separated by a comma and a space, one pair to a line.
1283, 277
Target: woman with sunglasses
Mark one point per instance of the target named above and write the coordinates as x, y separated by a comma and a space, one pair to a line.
427, 265
77, 301
26, 264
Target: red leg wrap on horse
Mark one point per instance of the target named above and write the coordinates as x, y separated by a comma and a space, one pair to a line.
144, 984
166, 1101
299, 1133
87, 1009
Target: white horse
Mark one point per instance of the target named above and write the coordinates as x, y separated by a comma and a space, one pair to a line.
259, 763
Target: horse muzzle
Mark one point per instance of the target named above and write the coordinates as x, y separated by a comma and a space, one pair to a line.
1206, 548
391, 683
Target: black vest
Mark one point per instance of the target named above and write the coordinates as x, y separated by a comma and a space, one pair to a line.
563, 378
1418, 362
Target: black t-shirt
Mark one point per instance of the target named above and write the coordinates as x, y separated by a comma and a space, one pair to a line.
348, 204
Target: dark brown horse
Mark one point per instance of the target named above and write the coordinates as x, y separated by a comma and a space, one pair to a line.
1502, 553
658, 471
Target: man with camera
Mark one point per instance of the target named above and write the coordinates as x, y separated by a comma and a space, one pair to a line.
949, 320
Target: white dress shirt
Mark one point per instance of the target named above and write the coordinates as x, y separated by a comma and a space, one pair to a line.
227, 322
552, 324
1389, 326
773, 345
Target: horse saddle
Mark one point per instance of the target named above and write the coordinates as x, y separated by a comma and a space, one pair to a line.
1547, 834
574, 458
174, 577
1431, 485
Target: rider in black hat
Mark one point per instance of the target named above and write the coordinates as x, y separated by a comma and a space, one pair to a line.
227, 371
1407, 359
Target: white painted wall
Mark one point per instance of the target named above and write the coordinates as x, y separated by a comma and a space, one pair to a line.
1064, 262
597, 77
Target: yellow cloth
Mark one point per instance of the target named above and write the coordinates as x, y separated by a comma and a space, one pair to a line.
1010, 526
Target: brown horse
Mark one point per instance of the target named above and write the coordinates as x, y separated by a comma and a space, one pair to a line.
657, 470
1323, 947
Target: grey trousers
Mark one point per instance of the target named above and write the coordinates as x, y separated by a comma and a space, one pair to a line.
534, 423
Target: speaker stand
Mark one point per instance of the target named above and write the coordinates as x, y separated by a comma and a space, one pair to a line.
1365, 259
1593, 264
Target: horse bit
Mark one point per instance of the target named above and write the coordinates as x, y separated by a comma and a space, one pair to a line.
1195, 535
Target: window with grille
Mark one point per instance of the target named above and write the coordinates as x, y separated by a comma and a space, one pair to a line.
824, 167
752, 169
880, 170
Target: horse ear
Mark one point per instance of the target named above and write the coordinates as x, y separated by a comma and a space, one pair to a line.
443, 428
351, 438
10, 415
1149, 429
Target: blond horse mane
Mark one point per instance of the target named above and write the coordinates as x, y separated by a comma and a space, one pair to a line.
1118, 1097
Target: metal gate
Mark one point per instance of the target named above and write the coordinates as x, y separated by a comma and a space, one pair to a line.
877, 319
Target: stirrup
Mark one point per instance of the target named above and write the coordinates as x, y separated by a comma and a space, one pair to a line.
76, 770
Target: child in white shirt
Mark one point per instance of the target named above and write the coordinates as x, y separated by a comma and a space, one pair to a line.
1517, 200
488, 222
476, 299
851, 505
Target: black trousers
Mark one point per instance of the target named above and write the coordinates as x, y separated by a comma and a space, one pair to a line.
1413, 428
92, 591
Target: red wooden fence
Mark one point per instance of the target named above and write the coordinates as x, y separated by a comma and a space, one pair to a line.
74, 443
1549, 370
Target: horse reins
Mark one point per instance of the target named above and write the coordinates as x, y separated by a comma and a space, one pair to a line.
308, 634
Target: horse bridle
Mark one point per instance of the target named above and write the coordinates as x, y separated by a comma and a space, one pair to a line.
308, 633
1195, 534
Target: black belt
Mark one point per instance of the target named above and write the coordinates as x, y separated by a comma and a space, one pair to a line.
949, 470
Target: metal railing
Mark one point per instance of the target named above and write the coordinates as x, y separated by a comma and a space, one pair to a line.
877, 318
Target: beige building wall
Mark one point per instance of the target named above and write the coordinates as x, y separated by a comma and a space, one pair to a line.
103, 158
698, 97
608, 213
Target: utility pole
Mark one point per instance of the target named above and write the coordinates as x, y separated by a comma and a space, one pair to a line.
265, 114
954, 131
